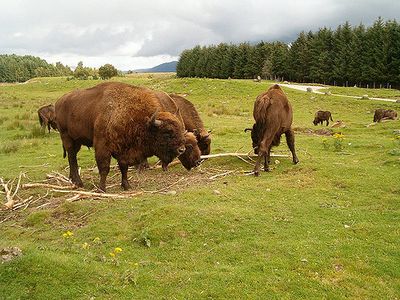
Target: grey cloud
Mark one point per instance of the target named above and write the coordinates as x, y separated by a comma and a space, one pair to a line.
156, 27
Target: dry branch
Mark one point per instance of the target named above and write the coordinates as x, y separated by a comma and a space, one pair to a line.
8, 191
45, 185
238, 155
222, 174
100, 195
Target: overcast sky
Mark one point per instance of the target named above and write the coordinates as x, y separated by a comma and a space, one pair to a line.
138, 34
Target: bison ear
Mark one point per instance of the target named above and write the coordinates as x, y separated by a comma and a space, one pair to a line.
153, 120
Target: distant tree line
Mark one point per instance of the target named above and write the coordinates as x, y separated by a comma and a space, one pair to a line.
16, 68
345, 56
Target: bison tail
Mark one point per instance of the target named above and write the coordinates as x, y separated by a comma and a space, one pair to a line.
331, 118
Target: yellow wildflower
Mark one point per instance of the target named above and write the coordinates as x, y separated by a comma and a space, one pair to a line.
112, 254
68, 234
338, 135
85, 246
117, 250
96, 240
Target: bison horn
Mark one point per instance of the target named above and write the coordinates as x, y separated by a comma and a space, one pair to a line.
248, 129
154, 121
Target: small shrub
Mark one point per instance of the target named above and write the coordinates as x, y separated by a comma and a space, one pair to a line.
15, 125
10, 147
2, 119
37, 218
338, 142
37, 132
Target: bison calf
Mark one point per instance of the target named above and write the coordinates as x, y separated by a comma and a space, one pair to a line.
121, 121
321, 116
384, 114
273, 116
47, 117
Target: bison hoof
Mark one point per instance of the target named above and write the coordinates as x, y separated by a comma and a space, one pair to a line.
267, 169
296, 161
126, 187
78, 184
256, 173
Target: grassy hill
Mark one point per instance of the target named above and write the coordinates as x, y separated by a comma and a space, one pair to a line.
325, 228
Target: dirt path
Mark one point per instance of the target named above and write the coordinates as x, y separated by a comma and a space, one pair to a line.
316, 90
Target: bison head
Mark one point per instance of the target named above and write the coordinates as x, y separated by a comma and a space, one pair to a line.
191, 157
204, 140
168, 136
256, 135
315, 122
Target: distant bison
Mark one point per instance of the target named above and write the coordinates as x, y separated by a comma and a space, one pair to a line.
384, 114
47, 117
121, 121
273, 116
321, 116
193, 123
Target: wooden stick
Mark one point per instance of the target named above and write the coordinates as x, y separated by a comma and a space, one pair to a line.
101, 195
222, 174
46, 185
239, 154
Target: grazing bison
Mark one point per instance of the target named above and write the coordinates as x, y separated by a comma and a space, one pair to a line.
121, 121
273, 115
191, 157
321, 116
384, 114
47, 117
193, 123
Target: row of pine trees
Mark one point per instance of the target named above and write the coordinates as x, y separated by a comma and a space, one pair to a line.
346, 56
16, 68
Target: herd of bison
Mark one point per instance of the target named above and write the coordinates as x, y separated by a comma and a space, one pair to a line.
132, 123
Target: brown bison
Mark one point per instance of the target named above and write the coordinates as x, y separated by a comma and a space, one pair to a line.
384, 114
47, 117
321, 116
191, 157
121, 121
273, 115
193, 123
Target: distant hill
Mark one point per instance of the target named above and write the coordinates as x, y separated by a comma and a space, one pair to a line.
165, 67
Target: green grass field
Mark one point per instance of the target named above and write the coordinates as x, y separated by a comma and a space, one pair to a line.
327, 228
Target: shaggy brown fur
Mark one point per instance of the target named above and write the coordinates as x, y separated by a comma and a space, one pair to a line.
191, 157
120, 121
193, 123
321, 116
273, 115
384, 114
47, 117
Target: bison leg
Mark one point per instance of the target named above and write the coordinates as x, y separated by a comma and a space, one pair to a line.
290, 142
267, 160
124, 176
103, 165
72, 149
264, 147
327, 122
